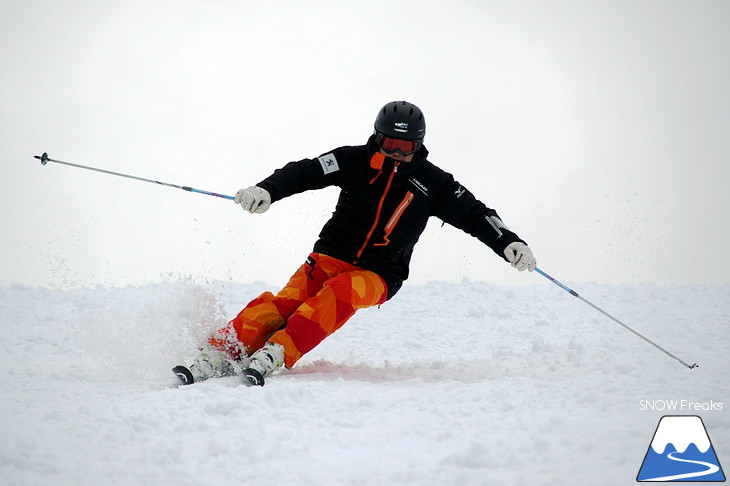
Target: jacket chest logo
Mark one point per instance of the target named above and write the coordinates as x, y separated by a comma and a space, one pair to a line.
419, 186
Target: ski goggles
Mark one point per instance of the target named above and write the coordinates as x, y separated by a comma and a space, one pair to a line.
394, 145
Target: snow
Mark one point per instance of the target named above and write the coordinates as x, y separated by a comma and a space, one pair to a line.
447, 384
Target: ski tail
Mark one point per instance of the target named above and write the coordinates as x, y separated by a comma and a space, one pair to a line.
252, 377
184, 375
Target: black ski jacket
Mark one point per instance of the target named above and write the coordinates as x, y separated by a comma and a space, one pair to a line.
384, 206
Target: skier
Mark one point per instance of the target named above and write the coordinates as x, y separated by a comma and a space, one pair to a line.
388, 192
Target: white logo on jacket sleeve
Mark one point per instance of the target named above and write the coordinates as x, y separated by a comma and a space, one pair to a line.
329, 163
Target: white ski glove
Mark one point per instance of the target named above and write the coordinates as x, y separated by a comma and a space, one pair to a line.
520, 256
254, 199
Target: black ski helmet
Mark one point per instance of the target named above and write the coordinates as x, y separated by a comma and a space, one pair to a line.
402, 120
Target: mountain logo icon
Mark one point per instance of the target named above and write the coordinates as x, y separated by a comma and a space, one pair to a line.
680, 451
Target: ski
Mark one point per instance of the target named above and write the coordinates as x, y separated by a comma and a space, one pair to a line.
249, 377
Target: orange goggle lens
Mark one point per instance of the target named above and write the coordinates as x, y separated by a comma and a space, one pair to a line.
392, 145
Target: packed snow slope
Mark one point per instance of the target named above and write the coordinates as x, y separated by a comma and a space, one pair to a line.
448, 384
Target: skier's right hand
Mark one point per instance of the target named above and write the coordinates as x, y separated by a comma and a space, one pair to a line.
253, 199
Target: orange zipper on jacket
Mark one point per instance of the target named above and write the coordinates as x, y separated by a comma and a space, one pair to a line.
377, 214
394, 219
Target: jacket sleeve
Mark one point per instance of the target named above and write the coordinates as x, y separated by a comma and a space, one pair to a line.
458, 207
305, 175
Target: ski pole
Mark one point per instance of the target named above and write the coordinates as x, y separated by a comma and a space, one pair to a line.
45, 159
575, 294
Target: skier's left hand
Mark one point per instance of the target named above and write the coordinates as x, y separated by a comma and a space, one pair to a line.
520, 256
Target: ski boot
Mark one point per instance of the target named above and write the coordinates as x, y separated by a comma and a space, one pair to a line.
263, 362
210, 363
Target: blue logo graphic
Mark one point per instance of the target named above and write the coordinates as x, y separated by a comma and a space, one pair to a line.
681, 451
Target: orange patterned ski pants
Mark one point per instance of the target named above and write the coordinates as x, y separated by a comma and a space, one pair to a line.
318, 299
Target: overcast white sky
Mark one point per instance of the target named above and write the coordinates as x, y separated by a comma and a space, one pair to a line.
598, 130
